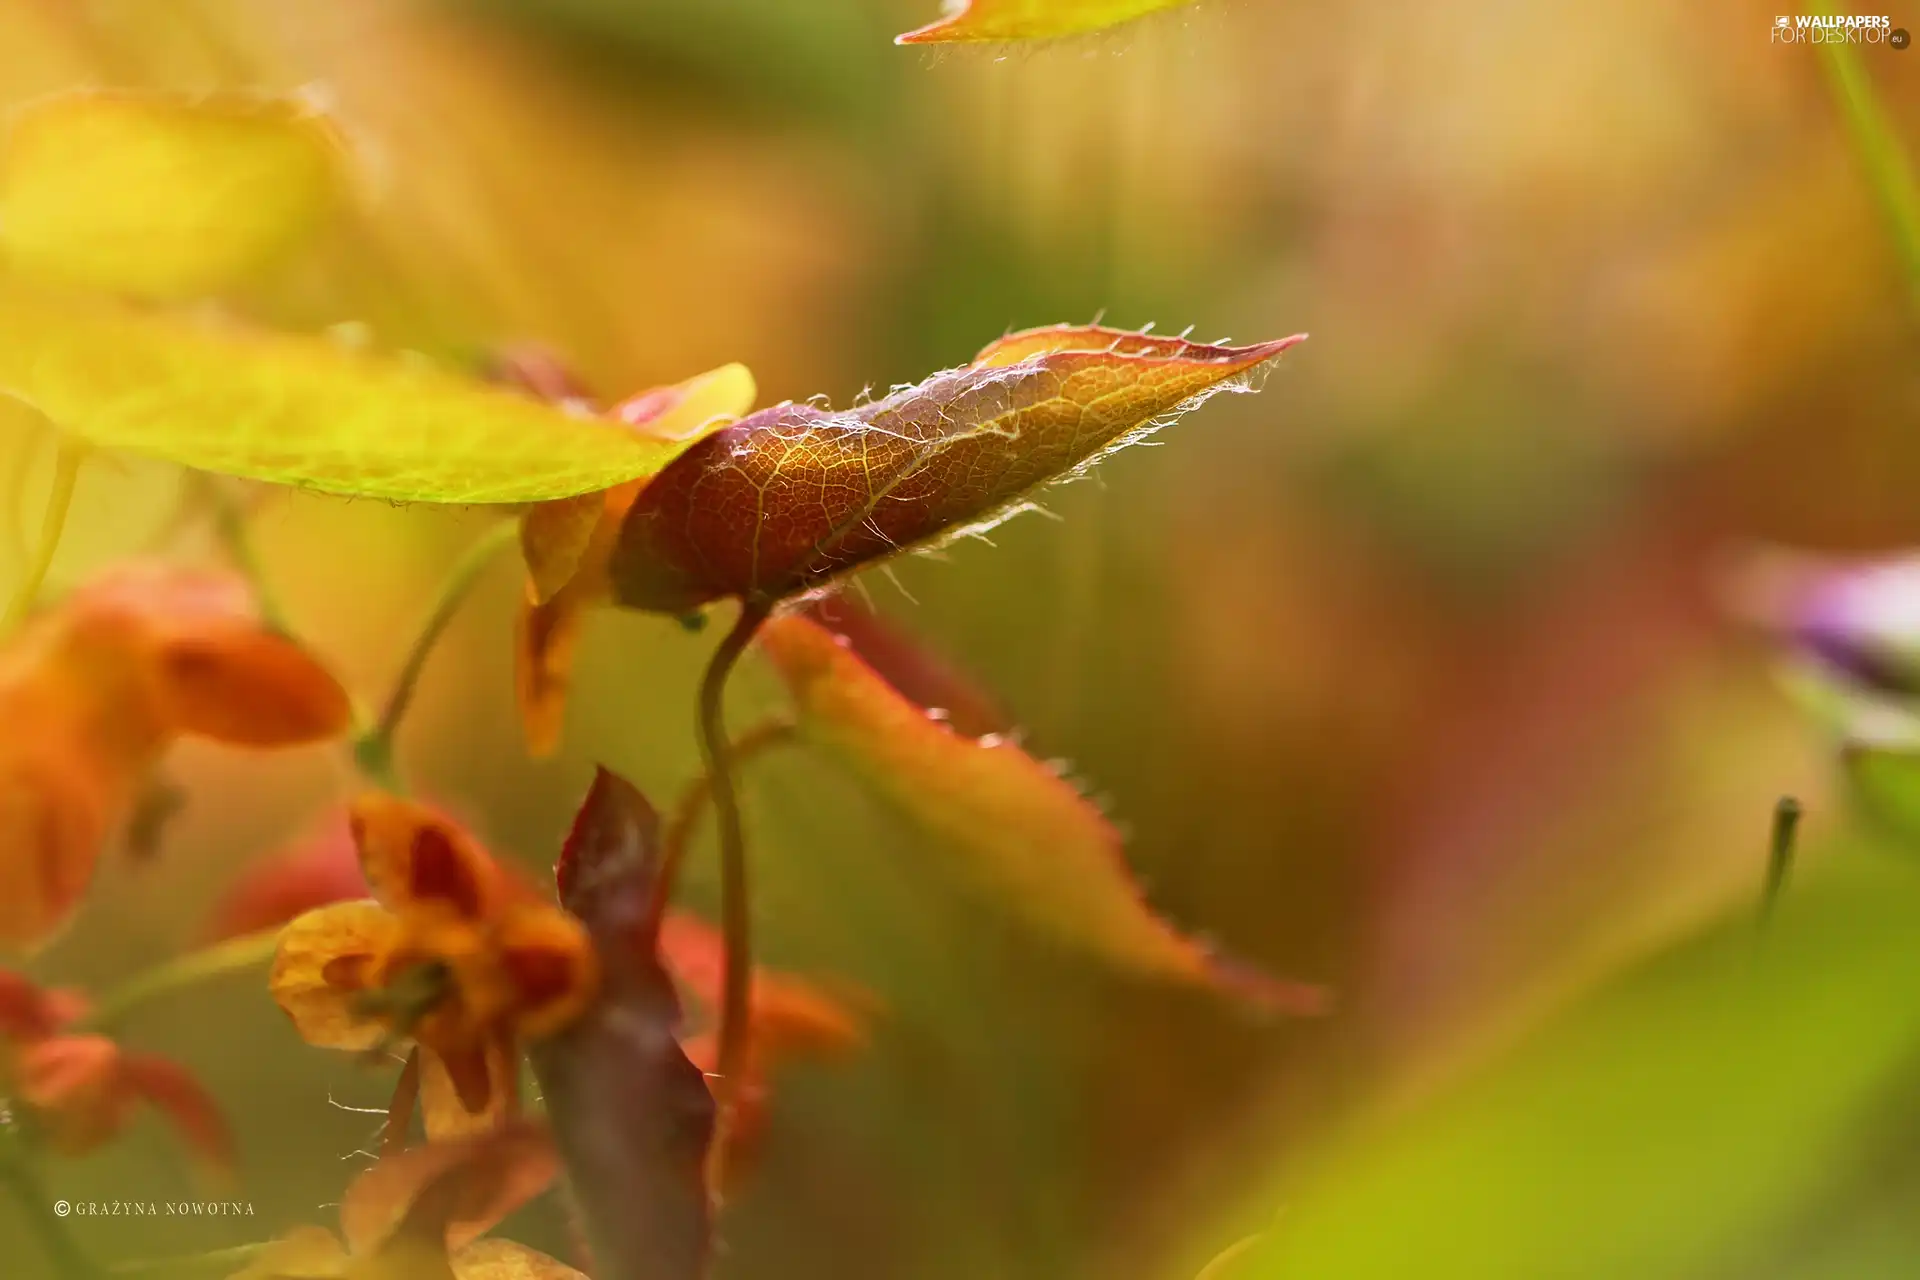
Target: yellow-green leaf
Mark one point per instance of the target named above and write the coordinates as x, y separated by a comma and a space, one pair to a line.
995, 20
163, 196
1022, 834
301, 411
1697, 1115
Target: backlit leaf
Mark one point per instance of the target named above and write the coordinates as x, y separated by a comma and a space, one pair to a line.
162, 196
301, 411
785, 499
632, 1117
996, 20
1697, 1117
1021, 833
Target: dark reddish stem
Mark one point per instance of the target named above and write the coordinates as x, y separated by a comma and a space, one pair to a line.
692, 806
735, 914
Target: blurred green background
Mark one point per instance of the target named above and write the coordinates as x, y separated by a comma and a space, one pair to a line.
1410, 674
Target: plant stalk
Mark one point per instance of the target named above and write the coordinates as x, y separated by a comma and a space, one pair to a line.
692, 805
373, 748
735, 914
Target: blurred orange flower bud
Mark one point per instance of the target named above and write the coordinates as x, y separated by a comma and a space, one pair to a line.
94, 692
79, 1089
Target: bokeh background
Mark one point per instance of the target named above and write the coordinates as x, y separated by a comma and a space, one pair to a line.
1412, 674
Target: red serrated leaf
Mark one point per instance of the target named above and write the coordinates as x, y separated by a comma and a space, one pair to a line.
1026, 836
631, 1115
786, 499
912, 668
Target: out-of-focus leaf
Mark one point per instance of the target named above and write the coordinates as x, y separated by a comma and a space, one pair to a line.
998, 20
631, 1115
1881, 759
486, 1176
300, 411
785, 499
162, 196
1664, 1128
1026, 837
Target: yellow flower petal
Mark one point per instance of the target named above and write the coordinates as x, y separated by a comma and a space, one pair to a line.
327, 958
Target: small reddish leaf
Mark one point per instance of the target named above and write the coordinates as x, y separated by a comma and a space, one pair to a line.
631, 1115
784, 500
1027, 837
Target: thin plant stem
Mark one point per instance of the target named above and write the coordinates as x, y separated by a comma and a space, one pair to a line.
736, 917
188, 970
66, 471
692, 805
373, 748
22, 1180
230, 526
1888, 167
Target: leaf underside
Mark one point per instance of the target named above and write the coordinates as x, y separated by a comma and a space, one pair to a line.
1020, 834
299, 411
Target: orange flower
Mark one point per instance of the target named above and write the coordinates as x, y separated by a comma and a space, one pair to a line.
418, 1215
93, 693
79, 1090
453, 951
567, 543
